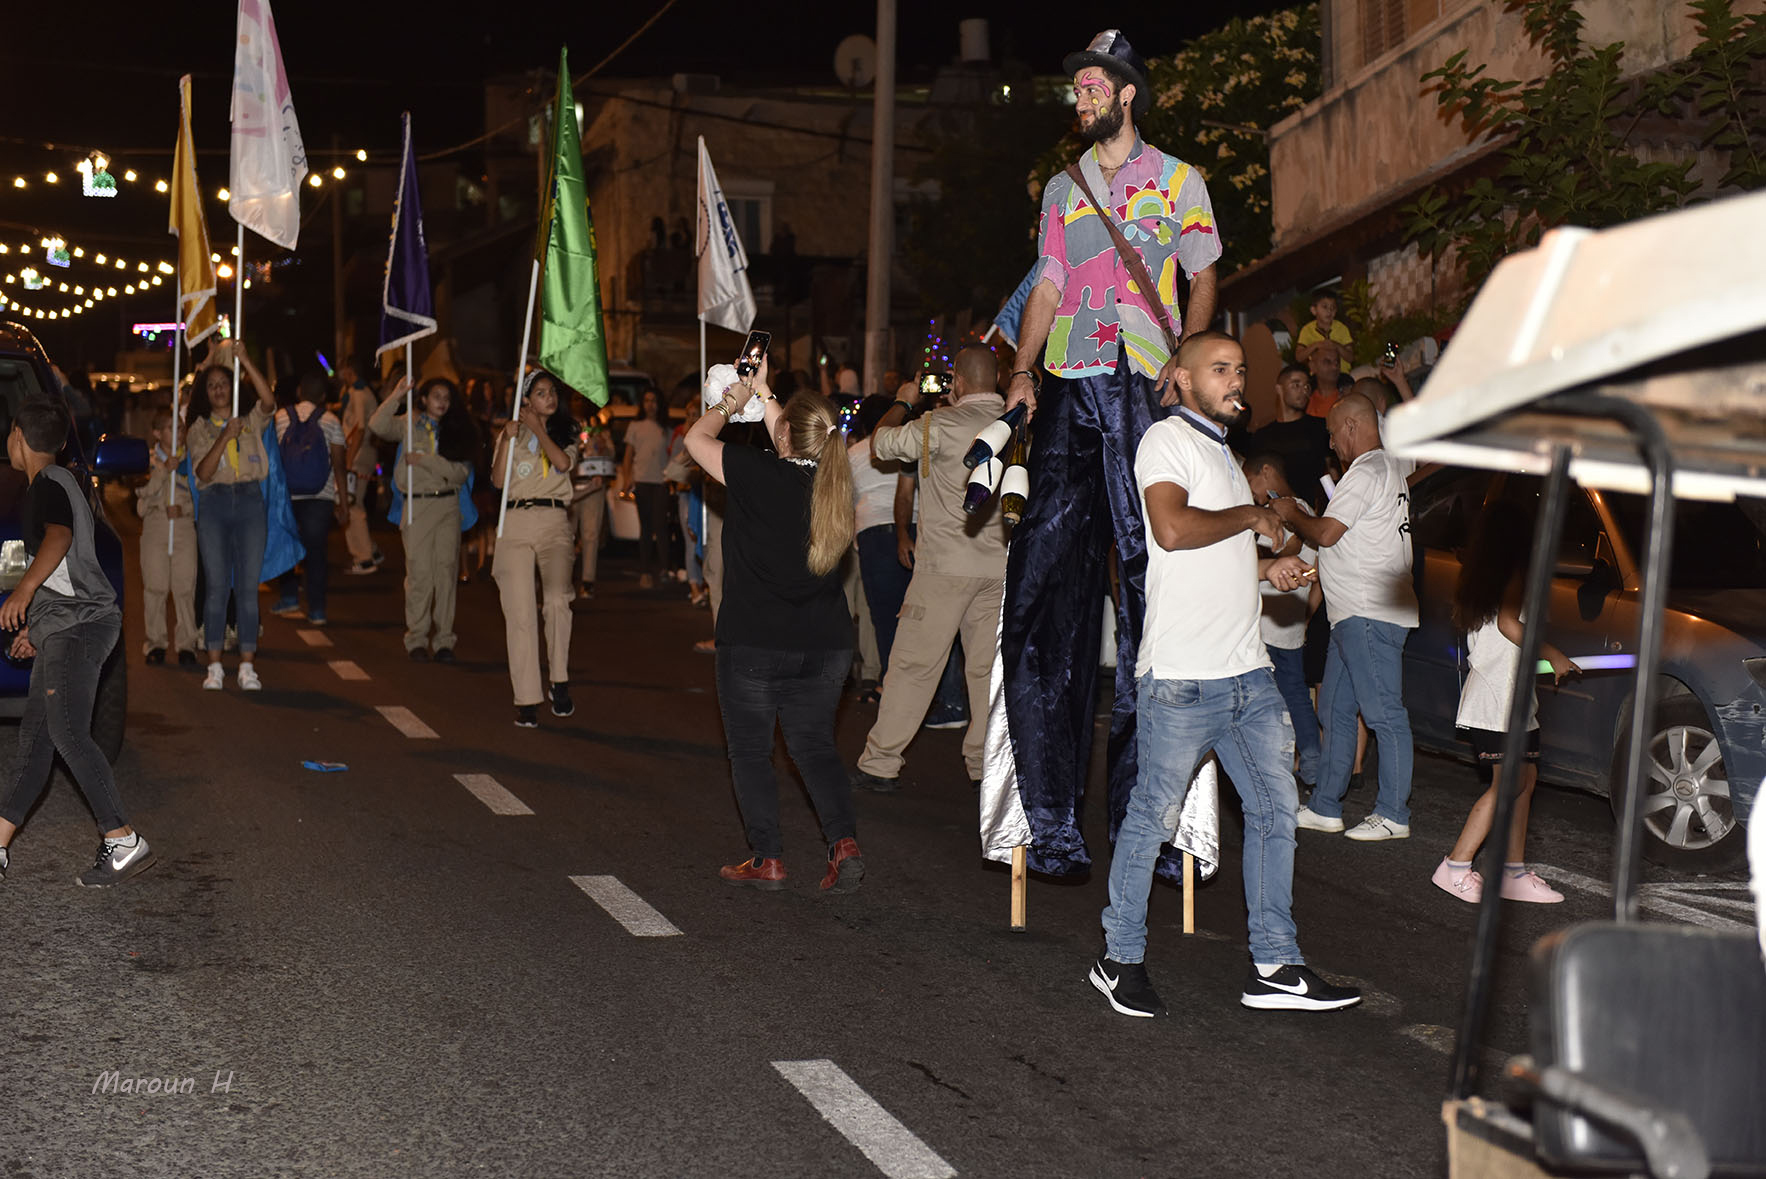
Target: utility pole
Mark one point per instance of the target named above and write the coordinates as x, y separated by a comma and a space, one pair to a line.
882, 204
337, 316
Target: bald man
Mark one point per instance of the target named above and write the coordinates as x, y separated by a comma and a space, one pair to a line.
1363, 543
959, 570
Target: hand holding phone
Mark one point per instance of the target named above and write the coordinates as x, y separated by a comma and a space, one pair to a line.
753, 353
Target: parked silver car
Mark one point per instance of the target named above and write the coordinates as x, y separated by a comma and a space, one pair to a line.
1707, 753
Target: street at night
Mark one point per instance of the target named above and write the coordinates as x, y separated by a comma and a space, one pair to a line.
398, 979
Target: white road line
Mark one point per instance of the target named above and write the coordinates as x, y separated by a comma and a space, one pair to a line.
406, 722
625, 906
346, 669
861, 1121
491, 792
314, 638
1647, 897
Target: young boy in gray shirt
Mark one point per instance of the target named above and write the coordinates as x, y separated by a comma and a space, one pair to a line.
65, 615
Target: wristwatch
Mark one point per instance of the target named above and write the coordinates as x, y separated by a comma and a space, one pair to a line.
1035, 381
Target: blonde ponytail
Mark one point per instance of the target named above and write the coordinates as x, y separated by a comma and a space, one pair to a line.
814, 432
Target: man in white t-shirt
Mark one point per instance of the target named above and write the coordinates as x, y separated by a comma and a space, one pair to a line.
360, 458
1203, 683
317, 502
1363, 543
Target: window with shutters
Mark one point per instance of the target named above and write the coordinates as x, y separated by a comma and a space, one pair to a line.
1382, 27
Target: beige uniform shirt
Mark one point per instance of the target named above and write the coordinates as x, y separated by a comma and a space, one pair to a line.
244, 463
950, 542
150, 497
428, 476
534, 476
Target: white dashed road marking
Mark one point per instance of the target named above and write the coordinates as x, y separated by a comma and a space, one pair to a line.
625, 906
861, 1121
347, 670
491, 792
406, 722
1657, 899
314, 638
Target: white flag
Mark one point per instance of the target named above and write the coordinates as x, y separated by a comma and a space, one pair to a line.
269, 161
725, 298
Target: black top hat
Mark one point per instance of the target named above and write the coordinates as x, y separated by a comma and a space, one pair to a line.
1111, 50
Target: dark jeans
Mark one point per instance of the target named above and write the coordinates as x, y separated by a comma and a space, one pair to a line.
1290, 681
58, 719
798, 690
652, 504
886, 586
230, 527
313, 518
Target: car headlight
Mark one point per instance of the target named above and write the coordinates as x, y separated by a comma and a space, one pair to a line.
1756, 666
13, 563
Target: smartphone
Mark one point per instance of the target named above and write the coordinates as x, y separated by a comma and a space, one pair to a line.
935, 384
1390, 355
753, 352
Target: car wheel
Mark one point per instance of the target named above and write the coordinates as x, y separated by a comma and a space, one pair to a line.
1689, 820
110, 711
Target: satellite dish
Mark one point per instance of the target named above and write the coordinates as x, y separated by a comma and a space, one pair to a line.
855, 61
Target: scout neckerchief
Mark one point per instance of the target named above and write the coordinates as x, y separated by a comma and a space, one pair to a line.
232, 443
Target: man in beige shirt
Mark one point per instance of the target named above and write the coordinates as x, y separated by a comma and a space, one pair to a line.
959, 570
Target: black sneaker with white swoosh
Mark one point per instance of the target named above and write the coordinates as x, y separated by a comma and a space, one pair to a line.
118, 859
1296, 988
1126, 986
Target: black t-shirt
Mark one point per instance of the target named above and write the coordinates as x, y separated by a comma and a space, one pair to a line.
771, 599
45, 503
1303, 445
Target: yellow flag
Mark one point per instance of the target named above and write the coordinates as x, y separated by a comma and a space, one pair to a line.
196, 269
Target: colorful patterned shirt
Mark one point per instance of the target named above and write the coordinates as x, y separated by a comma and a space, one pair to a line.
1162, 207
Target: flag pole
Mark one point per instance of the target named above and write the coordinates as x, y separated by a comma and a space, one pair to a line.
533, 287
410, 447
238, 311
177, 376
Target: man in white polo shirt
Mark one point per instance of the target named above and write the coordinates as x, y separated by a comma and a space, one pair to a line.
1204, 684
1363, 543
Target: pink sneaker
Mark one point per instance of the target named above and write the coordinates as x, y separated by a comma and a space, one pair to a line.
1464, 883
1528, 887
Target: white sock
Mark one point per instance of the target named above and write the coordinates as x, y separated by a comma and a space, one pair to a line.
1265, 969
128, 840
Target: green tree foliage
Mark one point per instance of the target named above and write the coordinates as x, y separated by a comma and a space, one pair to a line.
1570, 154
1213, 104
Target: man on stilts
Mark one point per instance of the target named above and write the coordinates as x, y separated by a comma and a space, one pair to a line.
1103, 318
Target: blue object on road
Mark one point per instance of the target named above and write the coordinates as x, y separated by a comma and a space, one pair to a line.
325, 767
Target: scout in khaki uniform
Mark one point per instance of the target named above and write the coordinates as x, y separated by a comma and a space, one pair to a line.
536, 532
429, 474
163, 573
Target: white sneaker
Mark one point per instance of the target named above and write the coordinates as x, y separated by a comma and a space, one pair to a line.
248, 679
216, 679
1308, 819
1374, 829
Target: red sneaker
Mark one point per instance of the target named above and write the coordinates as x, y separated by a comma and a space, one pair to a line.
846, 867
768, 874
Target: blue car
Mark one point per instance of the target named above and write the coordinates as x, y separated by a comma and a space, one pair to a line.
92, 456
1707, 751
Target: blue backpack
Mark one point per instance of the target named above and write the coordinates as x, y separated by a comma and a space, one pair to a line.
306, 457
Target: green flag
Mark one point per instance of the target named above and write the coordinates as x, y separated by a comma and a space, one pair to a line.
573, 343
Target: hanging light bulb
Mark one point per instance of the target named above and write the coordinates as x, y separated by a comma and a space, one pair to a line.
161, 186
315, 180
225, 195
362, 155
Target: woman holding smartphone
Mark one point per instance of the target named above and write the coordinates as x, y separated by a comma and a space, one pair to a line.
231, 514
784, 637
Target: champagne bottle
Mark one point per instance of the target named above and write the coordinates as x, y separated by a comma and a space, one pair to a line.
982, 480
1015, 483
992, 440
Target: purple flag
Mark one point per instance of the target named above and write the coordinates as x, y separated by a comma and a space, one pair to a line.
407, 309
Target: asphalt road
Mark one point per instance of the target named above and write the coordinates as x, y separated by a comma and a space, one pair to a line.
376, 973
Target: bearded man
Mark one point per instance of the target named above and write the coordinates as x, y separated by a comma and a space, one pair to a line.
1106, 332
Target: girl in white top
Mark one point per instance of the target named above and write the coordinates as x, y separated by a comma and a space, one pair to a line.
1487, 605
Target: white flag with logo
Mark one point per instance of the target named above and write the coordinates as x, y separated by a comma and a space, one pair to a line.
268, 159
725, 298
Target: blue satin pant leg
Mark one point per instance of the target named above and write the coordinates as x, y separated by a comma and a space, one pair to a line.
1082, 498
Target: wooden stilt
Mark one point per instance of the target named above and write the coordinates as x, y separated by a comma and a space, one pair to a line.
1189, 893
1020, 887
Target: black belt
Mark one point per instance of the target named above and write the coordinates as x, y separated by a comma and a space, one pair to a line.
537, 503
433, 494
